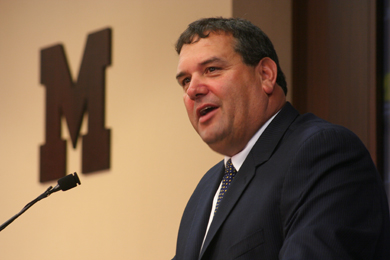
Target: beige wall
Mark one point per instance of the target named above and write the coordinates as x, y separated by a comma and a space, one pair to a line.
133, 210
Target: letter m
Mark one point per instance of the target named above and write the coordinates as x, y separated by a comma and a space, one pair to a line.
71, 100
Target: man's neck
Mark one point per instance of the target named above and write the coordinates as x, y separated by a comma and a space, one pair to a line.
239, 158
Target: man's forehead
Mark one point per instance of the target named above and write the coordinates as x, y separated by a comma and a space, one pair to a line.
215, 47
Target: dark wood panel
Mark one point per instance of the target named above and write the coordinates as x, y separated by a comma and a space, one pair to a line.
335, 70
335, 65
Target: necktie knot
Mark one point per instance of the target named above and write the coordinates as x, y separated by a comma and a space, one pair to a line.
230, 172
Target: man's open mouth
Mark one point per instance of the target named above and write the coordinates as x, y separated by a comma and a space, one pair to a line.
206, 110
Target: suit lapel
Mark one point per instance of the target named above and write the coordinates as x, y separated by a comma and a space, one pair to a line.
269, 140
260, 153
230, 199
202, 213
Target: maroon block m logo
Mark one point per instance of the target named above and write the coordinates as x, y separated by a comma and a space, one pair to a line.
72, 100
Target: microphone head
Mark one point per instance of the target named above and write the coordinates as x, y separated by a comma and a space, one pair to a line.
68, 182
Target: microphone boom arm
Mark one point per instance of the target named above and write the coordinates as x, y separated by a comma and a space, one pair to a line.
65, 183
29, 205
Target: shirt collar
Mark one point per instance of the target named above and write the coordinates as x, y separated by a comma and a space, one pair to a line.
238, 159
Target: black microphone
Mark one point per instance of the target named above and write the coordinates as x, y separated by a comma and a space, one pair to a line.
65, 183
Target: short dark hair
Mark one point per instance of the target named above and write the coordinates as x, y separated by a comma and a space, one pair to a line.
252, 43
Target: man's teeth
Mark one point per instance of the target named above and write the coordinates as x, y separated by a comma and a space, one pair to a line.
205, 110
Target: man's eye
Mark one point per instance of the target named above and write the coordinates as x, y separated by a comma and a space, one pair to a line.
211, 69
185, 81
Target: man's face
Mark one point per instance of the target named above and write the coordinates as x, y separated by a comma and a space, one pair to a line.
224, 97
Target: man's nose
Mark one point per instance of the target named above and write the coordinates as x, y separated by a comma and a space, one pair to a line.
197, 88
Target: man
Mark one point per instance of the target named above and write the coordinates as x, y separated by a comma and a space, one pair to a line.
300, 187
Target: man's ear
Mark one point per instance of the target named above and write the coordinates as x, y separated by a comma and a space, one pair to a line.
268, 71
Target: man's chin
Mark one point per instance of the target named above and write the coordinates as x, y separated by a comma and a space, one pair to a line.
208, 137
214, 142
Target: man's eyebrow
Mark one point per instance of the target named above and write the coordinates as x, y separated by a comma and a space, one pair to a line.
212, 59
181, 74
203, 63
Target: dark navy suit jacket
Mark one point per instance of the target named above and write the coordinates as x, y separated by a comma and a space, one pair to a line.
307, 190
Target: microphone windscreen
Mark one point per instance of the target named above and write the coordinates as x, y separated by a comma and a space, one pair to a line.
68, 182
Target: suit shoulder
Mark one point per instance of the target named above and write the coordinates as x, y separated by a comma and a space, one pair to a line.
309, 127
212, 172
213, 175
